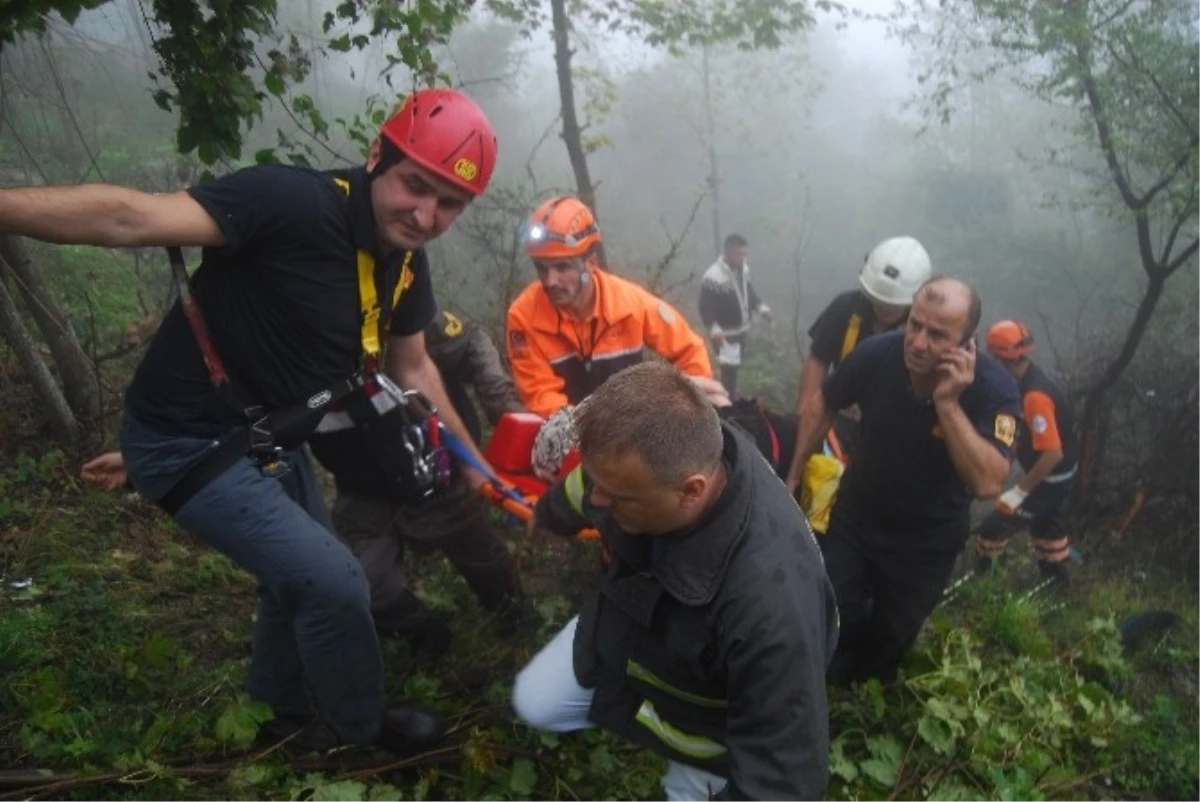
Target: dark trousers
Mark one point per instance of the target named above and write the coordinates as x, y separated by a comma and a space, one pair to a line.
1041, 514
455, 522
887, 580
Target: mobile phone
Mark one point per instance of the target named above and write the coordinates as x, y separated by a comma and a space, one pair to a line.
970, 338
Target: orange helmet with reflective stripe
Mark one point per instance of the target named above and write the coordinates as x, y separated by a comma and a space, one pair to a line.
560, 228
1009, 340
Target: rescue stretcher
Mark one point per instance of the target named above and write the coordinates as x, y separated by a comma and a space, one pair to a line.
513, 487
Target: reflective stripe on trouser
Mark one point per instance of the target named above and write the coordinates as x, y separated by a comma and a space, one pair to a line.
986, 547
1052, 551
547, 696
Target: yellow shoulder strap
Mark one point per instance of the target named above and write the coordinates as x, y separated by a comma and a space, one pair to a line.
851, 338
368, 297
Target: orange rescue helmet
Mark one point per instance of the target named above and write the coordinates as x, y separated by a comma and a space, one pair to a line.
1009, 340
561, 228
445, 132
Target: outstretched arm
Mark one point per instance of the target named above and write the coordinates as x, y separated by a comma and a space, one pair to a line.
106, 215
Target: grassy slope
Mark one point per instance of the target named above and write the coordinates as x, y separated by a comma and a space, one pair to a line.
127, 655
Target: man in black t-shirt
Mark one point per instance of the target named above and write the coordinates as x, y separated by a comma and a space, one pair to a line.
291, 257
938, 425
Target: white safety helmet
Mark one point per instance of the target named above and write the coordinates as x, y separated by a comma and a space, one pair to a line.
895, 270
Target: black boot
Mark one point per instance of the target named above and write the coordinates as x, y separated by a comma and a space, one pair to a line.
300, 736
409, 729
1057, 571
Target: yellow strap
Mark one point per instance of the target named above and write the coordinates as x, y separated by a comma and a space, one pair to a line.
851, 338
368, 297
369, 301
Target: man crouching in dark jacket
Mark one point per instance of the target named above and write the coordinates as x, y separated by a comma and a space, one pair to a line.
709, 638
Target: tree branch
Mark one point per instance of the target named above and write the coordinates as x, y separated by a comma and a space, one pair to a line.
1134, 64
1170, 244
537, 146
1103, 129
1108, 147
656, 275
1184, 255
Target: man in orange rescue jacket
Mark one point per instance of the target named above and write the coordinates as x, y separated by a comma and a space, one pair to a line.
578, 324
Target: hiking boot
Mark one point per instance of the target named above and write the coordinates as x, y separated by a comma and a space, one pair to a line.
1056, 571
409, 729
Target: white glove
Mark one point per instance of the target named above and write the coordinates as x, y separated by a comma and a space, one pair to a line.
1011, 500
554, 440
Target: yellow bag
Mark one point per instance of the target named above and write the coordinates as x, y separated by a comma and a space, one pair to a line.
818, 489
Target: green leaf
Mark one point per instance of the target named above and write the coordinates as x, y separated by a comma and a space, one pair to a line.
951, 790
239, 721
884, 766
880, 771
274, 82
601, 760
839, 764
344, 791
937, 733
384, 792
253, 775
523, 778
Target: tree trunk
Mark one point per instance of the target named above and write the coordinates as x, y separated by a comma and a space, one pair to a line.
572, 135
1093, 402
62, 420
74, 368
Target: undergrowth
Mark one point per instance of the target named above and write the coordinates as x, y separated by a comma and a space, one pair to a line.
124, 643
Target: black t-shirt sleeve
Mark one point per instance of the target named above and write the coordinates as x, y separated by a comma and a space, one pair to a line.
264, 201
417, 306
829, 330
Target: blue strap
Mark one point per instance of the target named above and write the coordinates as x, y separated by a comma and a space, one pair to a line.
464, 455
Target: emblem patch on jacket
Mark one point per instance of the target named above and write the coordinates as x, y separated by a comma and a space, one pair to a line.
454, 326
1006, 429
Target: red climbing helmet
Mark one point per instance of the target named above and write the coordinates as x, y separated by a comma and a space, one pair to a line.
445, 132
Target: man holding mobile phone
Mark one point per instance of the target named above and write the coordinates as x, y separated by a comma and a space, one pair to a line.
939, 420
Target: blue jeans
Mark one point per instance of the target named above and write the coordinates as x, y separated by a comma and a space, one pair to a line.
314, 608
